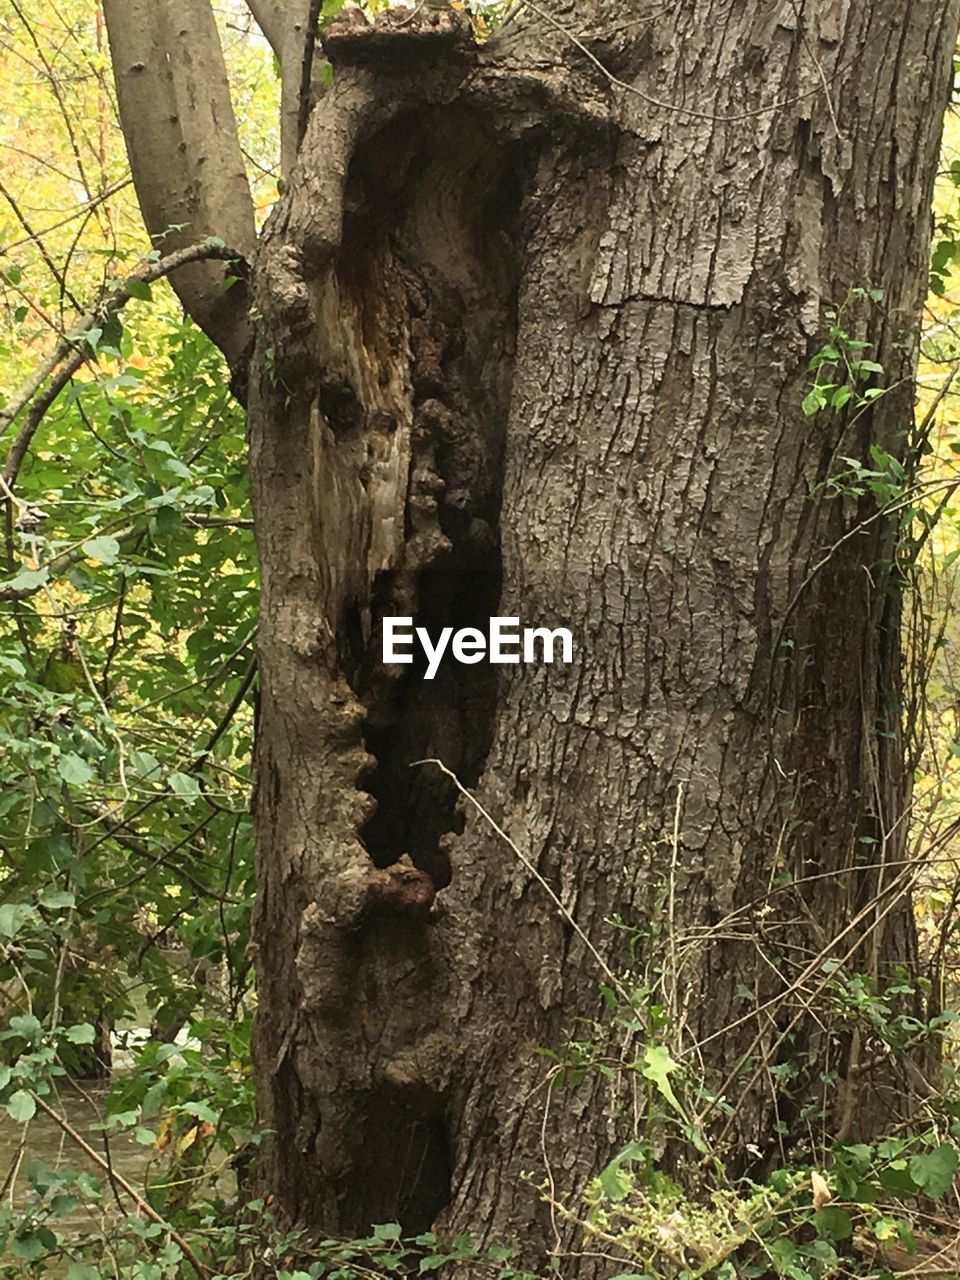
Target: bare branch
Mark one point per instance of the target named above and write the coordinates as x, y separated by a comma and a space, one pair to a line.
181, 135
81, 211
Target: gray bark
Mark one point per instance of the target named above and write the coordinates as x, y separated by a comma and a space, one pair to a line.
534, 343
285, 27
181, 137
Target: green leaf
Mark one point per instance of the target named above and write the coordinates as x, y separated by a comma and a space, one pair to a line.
12, 917
824, 1253
202, 1112
184, 785
782, 1252
28, 580
139, 289
82, 1033
82, 1271
26, 1025
814, 401
841, 396
658, 1066
144, 762
56, 899
105, 549
30, 1247
387, 1231
833, 1223
612, 1181
73, 769
21, 1106
933, 1172
861, 1153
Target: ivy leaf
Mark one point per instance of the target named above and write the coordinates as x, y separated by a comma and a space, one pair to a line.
612, 1181
658, 1066
387, 1231
433, 1263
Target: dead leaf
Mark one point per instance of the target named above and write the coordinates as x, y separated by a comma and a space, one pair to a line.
821, 1192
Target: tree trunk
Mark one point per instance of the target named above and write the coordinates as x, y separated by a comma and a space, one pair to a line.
533, 342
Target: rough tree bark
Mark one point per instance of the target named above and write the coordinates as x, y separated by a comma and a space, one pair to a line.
534, 322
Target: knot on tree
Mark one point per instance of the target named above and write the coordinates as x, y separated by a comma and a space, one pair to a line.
401, 889
397, 38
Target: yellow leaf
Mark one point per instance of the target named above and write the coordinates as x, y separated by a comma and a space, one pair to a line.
187, 1141
164, 1133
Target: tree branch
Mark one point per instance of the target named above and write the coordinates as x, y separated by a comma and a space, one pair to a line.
181, 134
288, 28
269, 17
70, 352
306, 69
